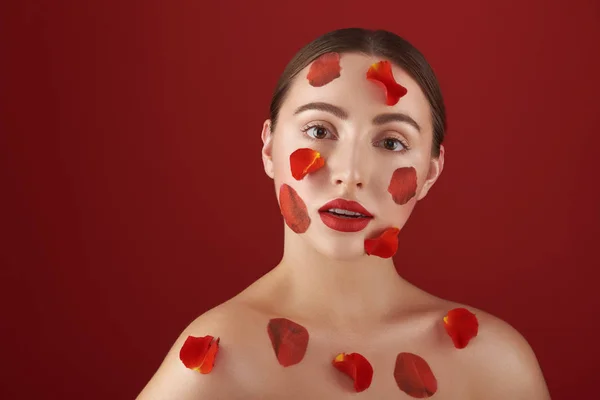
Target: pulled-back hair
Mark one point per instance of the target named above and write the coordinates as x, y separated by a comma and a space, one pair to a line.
377, 43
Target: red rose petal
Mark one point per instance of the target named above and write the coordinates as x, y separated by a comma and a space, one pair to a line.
461, 325
289, 340
305, 161
381, 73
199, 353
414, 376
384, 246
293, 209
211, 355
356, 367
324, 69
403, 185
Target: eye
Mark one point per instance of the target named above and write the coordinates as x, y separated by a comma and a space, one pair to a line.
394, 144
316, 131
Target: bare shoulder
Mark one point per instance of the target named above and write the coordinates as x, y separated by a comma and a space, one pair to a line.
501, 362
228, 321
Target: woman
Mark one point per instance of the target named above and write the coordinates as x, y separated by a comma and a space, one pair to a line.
353, 142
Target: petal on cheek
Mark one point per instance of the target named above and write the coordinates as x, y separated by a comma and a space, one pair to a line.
356, 367
199, 353
381, 73
462, 326
324, 69
414, 376
385, 245
305, 161
293, 209
289, 340
403, 185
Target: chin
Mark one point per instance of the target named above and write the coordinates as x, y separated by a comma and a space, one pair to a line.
342, 251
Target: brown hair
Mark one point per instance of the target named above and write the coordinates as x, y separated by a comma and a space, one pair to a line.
378, 43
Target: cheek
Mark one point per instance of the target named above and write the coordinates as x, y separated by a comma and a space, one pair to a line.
403, 185
305, 161
293, 209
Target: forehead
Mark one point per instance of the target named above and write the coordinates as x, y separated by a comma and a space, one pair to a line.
356, 94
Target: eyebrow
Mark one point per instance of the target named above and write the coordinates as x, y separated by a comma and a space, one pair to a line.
343, 114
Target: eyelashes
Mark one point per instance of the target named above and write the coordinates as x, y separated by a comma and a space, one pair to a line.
321, 132
317, 126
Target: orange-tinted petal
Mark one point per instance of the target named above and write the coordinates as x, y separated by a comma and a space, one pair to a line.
199, 353
403, 185
289, 340
293, 209
211, 355
356, 367
462, 325
414, 376
381, 73
384, 246
324, 69
305, 161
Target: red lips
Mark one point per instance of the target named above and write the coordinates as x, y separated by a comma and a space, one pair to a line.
346, 205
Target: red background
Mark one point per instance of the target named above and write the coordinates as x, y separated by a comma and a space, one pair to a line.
130, 129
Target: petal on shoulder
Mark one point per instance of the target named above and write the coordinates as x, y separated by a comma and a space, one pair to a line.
503, 363
174, 380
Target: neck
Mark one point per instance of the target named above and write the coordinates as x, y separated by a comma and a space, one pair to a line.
339, 292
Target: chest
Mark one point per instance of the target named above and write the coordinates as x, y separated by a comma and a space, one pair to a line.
316, 378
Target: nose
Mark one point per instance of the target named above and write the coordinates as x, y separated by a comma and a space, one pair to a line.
348, 167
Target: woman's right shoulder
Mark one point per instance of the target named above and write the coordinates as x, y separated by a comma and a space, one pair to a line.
234, 323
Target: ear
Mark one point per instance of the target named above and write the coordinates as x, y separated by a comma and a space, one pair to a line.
436, 165
267, 149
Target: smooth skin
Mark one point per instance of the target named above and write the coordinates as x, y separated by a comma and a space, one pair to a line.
348, 301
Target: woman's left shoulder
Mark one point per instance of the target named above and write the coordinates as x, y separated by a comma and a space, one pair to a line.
501, 361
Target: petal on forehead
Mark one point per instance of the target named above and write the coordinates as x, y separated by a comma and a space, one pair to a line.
324, 69
304, 161
381, 73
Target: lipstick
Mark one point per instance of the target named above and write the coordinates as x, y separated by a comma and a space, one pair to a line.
345, 216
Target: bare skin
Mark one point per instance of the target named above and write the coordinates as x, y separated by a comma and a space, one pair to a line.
348, 301
246, 367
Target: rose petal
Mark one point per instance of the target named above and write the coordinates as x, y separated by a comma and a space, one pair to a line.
403, 185
199, 353
461, 325
211, 355
289, 340
414, 376
356, 367
293, 209
384, 246
305, 161
324, 69
381, 73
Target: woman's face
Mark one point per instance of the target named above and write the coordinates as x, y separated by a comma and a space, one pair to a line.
383, 163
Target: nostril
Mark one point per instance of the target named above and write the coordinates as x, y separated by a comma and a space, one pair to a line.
341, 182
